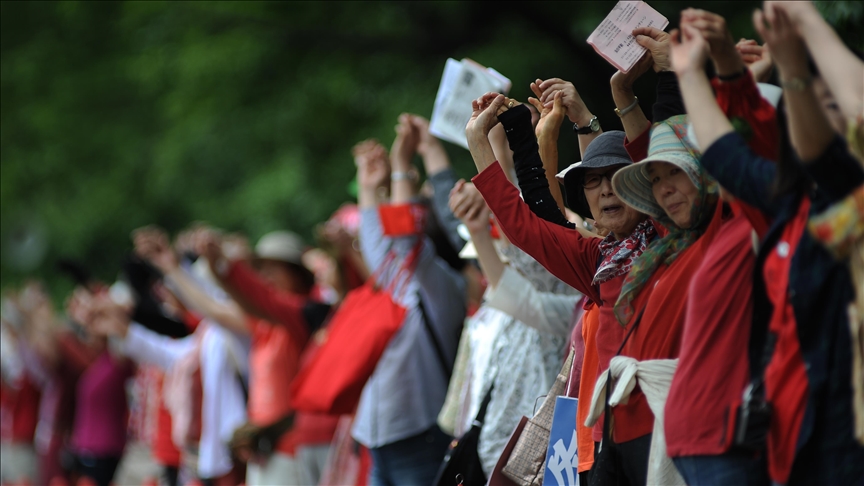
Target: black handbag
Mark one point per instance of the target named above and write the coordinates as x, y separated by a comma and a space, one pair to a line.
462, 465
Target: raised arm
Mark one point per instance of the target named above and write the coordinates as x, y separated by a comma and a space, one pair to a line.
441, 175
564, 252
151, 244
547, 130
577, 110
627, 105
547, 312
373, 173
746, 175
840, 68
468, 205
403, 175
809, 130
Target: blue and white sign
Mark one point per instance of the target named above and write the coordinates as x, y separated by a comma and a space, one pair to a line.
561, 458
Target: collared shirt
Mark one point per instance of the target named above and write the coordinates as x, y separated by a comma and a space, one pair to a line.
406, 391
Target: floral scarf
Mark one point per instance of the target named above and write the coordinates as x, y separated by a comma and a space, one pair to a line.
618, 255
666, 250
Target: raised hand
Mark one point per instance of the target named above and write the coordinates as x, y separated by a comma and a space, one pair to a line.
406, 141
484, 116
575, 108
757, 59
373, 166
689, 50
152, 244
625, 81
468, 206
713, 28
426, 142
657, 43
551, 116
781, 37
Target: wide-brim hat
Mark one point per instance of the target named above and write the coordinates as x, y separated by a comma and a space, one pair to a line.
632, 185
604, 151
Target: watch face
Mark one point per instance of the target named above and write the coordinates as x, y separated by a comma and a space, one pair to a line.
595, 124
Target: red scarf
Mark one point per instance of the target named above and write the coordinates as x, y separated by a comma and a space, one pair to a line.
618, 255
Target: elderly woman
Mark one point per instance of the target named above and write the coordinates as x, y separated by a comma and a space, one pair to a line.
593, 266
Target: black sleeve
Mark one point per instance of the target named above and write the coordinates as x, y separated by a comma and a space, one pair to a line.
669, 101
140, 276
529, 168
836, 171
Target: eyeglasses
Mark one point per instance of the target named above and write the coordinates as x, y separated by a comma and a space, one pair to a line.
593, 180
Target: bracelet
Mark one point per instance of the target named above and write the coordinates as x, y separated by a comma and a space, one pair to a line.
797, 84
630, 108
403, 176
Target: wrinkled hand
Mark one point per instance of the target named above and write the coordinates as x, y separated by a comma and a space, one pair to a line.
657, 43
484, 116
689, 50
551, 117
405, 144
574, 106
625, 81
151, 244
782, 39
468, 206
713, 28
373, 167
757, 59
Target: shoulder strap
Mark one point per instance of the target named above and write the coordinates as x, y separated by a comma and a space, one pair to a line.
481, 413
446, 366
629, 332
607, 410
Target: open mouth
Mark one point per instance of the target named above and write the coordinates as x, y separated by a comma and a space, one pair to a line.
613, 209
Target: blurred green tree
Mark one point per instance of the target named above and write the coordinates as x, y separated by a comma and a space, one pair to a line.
242, 114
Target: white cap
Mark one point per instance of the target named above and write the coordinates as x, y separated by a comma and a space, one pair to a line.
283, 246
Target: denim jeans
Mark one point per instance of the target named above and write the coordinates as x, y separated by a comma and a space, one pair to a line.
409, 462
739, 468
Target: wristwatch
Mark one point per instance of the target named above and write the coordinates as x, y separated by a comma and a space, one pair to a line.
593, 127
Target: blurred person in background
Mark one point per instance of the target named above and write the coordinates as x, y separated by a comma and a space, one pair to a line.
19, 395
397, 415
280, 289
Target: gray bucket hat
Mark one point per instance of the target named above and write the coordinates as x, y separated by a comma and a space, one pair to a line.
604, 151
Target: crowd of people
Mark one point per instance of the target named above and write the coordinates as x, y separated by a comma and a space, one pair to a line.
696, 280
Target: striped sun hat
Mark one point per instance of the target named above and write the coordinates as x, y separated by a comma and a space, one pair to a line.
632, 185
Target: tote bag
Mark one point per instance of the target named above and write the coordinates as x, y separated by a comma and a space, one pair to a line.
358, 334
527, 463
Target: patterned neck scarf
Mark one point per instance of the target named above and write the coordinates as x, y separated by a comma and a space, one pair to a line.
666, 250
618, 255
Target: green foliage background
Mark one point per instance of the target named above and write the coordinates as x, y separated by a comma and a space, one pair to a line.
120, 114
